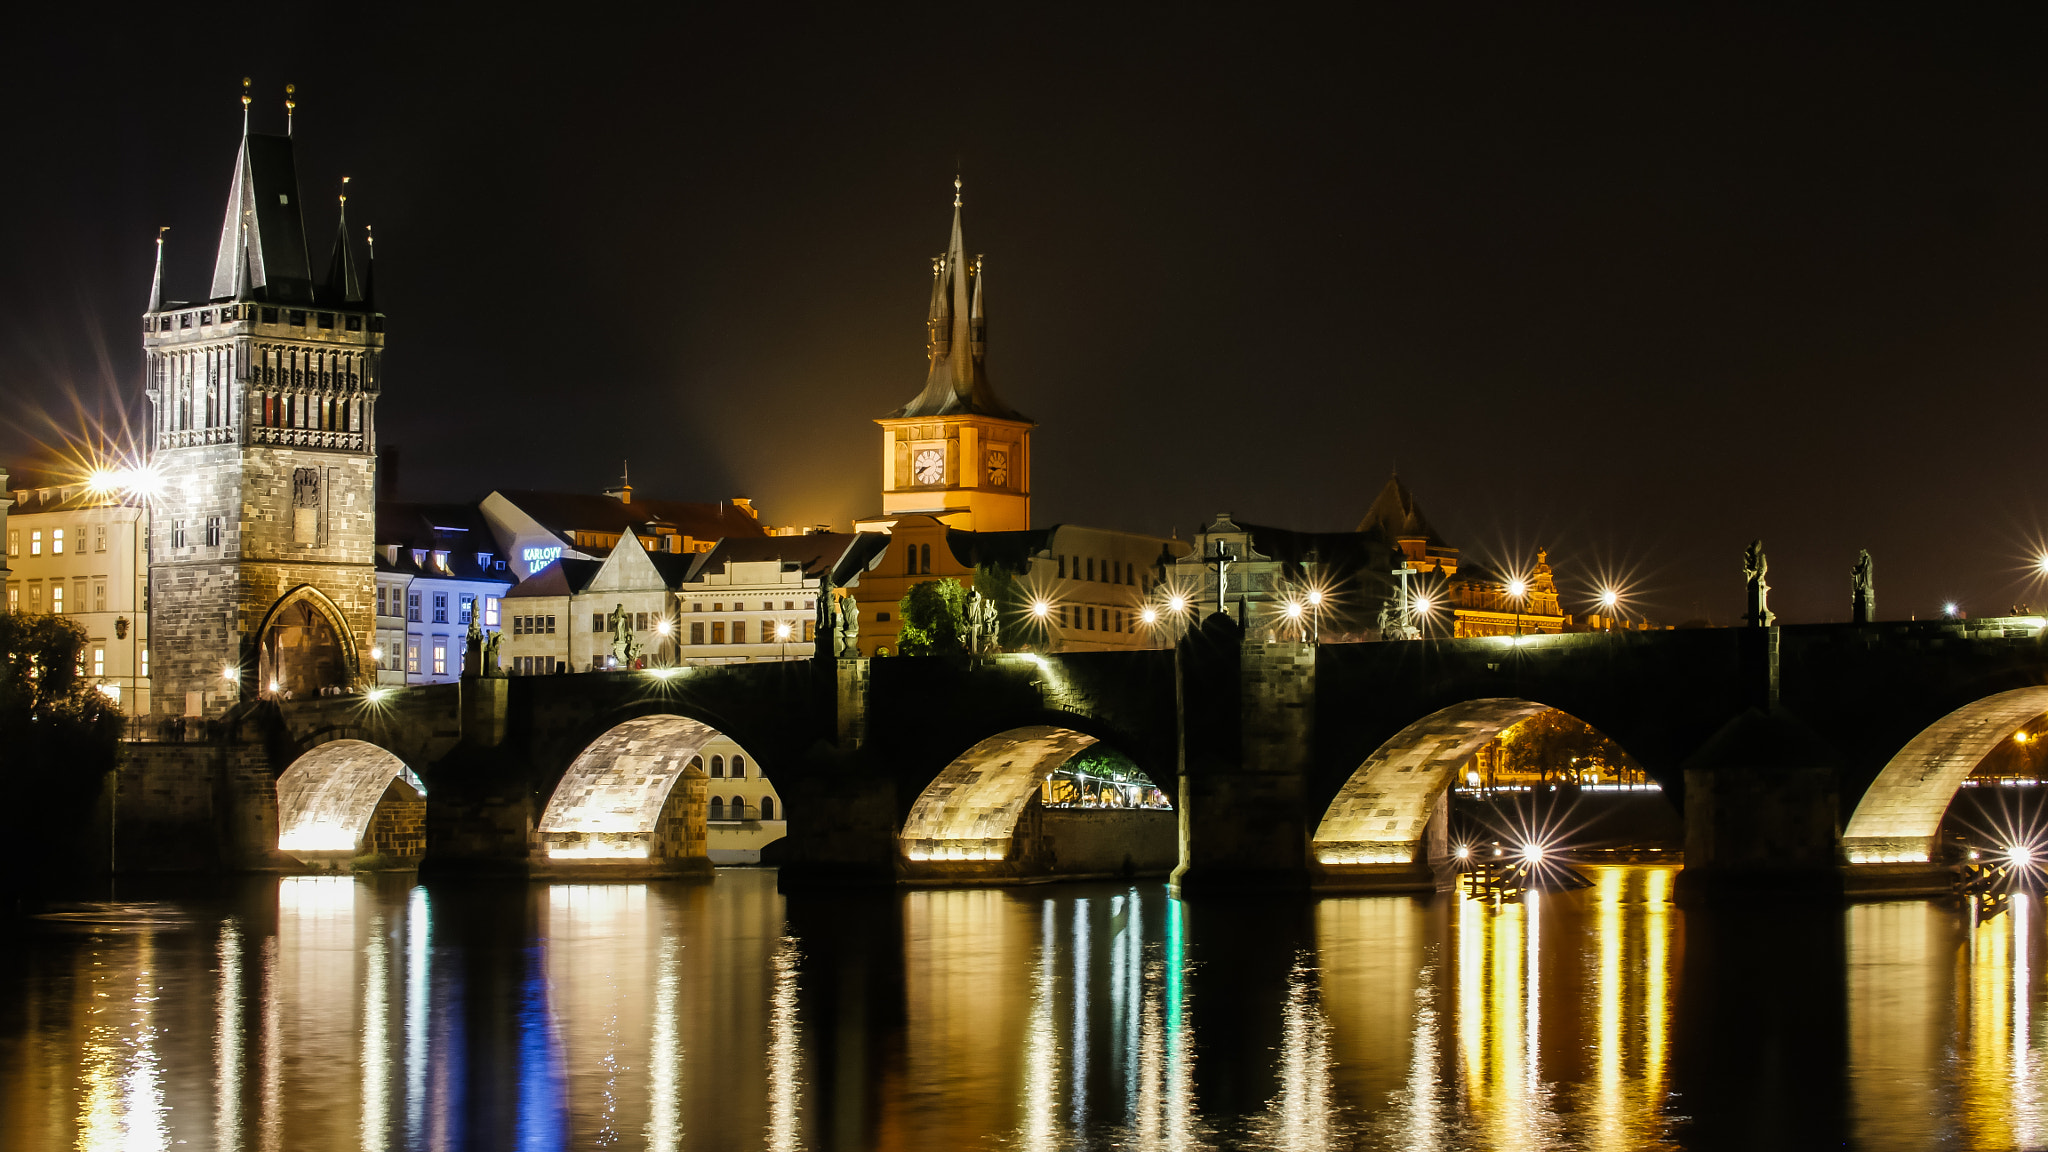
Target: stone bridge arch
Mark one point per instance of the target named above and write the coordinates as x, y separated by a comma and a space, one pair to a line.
1899, 816
978, 819
348, 798
634, 800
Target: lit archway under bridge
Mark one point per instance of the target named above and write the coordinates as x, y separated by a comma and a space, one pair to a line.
633, 803
986, 816
1898, 820
350, 803
1388, 827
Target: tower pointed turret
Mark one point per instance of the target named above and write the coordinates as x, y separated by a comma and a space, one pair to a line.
956, 376
370, 268
156, 283
262, 235
957, 451
342, 287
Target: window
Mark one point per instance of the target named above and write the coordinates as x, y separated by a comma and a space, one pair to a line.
551, 625
56, 541
738, 811
810, 631
718, 766
440, 607
1118, 623
412, 654
697, 632
639, 621
1062, 560
35, 542
1091, 568
99, 594
213, 531
925, 558
910, 560
99, 661
13, 599
1091, 618
99, 537
597, 621
790, 605
145, 661
490, 611
739, 631
739, 767
14, 543
767, 807
381, 590
440, 655
468, 609
35, 595
696, 606
881, 617
718, 631
717, 808
57, 597
697, 762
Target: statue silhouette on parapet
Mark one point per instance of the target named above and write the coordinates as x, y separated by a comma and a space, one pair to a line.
1754, 567
625, 646
1862, 590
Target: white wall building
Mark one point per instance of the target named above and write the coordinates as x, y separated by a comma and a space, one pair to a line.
76, 551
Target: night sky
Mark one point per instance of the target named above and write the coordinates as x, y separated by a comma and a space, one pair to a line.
1633, 286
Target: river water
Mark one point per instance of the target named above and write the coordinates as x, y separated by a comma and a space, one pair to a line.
338, 1013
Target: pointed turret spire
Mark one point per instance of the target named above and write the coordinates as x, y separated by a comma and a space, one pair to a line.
342, 285
262, 253
370, 270
245, 105
957, 376
156, 283
289, 104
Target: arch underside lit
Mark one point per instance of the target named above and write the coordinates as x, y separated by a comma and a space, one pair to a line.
1899, 818
1382, 814
326, 798
970, 811
617, 787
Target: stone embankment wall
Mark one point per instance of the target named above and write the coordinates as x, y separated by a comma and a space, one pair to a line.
1110, 841
188, 808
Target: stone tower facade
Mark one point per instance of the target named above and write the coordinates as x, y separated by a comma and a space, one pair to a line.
263, 403
957, 451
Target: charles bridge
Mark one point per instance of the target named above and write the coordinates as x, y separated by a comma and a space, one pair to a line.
1815, 757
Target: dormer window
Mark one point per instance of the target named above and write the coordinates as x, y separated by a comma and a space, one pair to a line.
483, 560
419, 557
441, 561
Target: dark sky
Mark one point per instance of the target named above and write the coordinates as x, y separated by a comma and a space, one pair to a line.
1634, 286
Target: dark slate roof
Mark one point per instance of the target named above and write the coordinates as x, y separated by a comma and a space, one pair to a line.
1009, 552
457, 529
1395, 514
564, 577
847, 554
271, 262
566, 512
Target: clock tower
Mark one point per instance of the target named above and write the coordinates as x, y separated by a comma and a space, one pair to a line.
957, 452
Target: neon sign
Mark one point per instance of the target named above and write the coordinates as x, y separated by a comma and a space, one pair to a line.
539, 558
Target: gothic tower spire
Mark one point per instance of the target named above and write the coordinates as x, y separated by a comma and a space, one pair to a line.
956, 376
342, 286
156, 283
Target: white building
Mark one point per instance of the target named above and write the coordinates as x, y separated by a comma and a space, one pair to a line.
77, 551
437, 567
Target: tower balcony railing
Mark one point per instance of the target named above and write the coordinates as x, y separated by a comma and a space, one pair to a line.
188, 437
307, 437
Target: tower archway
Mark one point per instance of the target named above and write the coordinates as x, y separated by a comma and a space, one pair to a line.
304, 646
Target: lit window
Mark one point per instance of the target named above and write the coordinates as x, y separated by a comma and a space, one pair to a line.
717, 631
468, 608
99, 661
412, 655
490, 611
145, 661
14, 543
57, 597
99, 537
440, 655
13, 599
35, 542
56, 541
99, 595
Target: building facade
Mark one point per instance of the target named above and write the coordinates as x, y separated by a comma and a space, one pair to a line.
263, 400
534, 529
82, 552
438, 568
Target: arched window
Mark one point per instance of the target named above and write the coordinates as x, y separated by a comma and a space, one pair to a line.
739, 808
697, 762
910, 560
717, 808
739, 767
767, 807
925, 558
718, 765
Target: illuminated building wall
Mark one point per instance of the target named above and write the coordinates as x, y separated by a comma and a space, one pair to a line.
101, 571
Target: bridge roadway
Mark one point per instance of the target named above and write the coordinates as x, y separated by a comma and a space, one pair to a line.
1815, 757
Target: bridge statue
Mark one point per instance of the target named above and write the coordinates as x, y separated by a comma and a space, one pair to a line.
1862, 591
984, 623
846, 628
1754, 568
491, 666
473, 645
624, 646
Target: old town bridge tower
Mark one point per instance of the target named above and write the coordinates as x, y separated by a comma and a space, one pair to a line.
263, 446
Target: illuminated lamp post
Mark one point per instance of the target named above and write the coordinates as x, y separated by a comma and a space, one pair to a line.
781, 637
1518, 591
1609, 601
1315, 615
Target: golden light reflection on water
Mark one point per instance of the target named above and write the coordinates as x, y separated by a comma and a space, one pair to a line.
336, 1013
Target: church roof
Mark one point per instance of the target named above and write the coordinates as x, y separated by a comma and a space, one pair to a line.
262, 252
956, 380
1010, 552
566, 512
1396, 514
846, 554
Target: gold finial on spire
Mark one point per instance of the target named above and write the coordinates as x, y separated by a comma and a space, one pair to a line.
289, 104
245, 105
956, 191
344, 191
160, 234
370, 235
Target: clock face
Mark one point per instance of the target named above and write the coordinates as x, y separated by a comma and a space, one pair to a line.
929, 466
999, 468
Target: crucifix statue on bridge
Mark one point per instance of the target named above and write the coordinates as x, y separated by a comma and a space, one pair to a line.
1220, 559
1754, 568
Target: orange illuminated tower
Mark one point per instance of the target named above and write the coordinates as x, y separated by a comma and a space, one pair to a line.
957, 451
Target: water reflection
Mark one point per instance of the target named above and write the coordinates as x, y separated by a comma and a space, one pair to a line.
327, 1012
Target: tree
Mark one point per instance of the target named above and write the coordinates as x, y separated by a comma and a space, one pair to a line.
1554, 743
59, 735
934, 615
